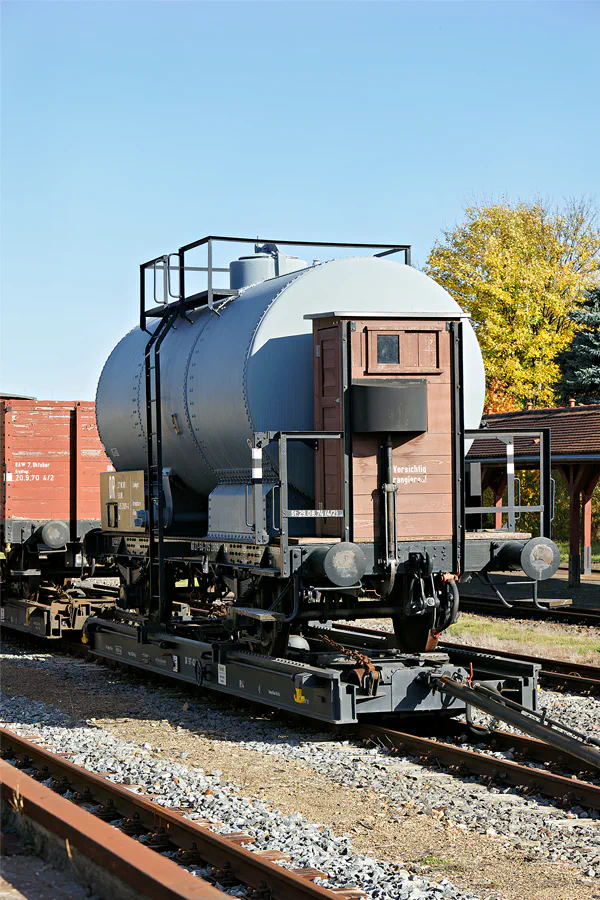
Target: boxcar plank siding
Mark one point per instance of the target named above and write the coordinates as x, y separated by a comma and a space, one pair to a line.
431, 445
407, 484
406, 504
328, 417
422, 464
424, 526
51, 459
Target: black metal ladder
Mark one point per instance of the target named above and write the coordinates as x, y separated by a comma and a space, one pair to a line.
158, 608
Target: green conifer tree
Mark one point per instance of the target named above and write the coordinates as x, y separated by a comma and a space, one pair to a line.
580, 362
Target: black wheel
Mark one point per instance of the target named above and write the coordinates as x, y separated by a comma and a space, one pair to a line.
414, 634
28, 586
272, 640
271, 637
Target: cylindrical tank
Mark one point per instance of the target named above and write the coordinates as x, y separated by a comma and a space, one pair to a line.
250, 369
249, 270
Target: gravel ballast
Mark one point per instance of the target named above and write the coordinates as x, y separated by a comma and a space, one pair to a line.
532, 824
175, 785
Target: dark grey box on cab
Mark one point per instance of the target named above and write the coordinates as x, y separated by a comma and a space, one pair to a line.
394, 405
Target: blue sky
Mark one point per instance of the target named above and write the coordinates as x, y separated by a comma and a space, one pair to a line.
131, 128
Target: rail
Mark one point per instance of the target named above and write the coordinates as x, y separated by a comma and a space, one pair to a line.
536, 724
108, 859
487, 606
168, 829
573, 676
547, 783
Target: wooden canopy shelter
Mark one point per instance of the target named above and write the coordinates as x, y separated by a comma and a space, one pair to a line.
575, 449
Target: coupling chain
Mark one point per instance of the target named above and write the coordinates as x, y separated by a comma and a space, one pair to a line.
361, 659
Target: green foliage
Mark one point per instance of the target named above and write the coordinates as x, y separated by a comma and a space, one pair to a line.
530, 522
560, 525
580, 362
520, 271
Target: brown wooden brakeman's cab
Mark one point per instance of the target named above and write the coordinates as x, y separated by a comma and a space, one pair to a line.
381, 378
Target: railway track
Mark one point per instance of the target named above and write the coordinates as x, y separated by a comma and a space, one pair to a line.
97, 801
557, 674
553, 773
486, 606
533, 768
566, 785
554, 673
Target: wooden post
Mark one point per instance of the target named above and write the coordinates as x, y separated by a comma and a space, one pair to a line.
580, 481
498, 491
574, 537
494, 477
587, 534
591, 482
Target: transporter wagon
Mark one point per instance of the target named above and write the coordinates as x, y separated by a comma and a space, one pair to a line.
289, 455
51, 459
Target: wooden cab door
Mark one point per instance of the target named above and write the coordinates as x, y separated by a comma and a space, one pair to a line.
329, 402
397, 349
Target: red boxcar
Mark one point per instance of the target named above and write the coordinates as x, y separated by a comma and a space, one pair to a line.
51, 459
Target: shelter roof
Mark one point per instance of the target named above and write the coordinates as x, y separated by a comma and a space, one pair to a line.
574, 433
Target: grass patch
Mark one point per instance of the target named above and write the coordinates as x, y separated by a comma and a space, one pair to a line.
563, 546
535, 638
439, 862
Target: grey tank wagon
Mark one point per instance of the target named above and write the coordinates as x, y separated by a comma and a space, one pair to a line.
289, 454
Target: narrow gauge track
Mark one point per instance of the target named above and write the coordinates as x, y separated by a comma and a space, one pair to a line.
563, 781
161, 829
486, 606
577, 677
566, 787
555, 673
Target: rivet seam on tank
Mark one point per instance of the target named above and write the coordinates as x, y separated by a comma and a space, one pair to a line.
268, 465
137, 399
253, 336
197, 441
270, 471
139, 384
136, 415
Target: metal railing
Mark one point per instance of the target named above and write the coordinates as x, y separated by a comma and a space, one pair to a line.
513, 508
162, 264
261, 440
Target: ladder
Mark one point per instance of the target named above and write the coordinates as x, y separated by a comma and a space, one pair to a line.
158, 609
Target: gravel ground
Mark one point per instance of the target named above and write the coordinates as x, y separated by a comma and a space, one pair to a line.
532, 825
575, 710
174, 784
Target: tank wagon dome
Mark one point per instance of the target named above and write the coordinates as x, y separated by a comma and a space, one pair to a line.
250, 368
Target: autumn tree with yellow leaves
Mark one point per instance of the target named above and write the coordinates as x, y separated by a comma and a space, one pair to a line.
520, 271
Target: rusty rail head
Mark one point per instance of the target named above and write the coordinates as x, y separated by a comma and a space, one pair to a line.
249, 867
551, 665
546, 783
147, 873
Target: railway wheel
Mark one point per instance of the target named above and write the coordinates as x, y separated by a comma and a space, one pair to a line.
28, 585
414, 634
412, 627
271, 637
